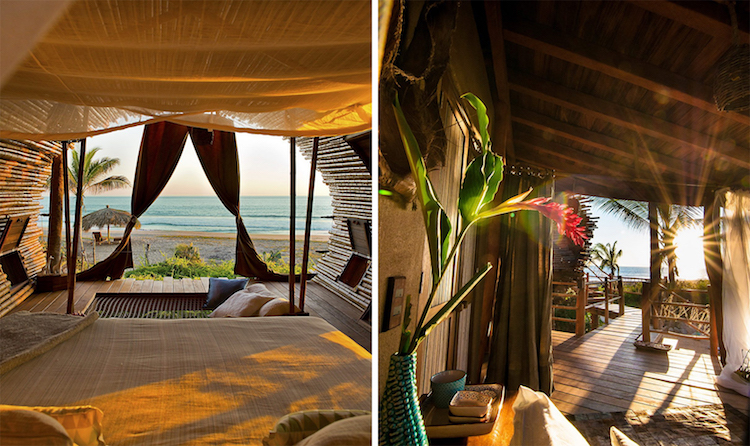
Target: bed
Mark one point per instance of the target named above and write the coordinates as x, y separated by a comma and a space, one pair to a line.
196, 381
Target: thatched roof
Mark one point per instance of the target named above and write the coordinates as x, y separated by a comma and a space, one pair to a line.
616, 96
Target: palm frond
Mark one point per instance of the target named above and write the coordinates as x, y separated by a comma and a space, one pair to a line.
110, 183
633, 213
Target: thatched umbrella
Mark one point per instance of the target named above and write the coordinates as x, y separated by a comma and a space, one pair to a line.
106, 217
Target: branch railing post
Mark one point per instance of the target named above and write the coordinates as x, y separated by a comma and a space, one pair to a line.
308, 225
73, 253
292, 218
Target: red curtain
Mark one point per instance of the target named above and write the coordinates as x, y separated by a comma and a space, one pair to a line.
160, 151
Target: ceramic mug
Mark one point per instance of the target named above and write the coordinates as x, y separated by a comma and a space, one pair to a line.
445, 385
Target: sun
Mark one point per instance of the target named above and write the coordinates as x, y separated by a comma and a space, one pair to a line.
690, 261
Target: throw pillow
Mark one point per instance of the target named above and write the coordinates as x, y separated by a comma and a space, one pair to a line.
82, 423
29, 427
242, 304
276, 307
220, 290
355, 431
294, 427
617, 438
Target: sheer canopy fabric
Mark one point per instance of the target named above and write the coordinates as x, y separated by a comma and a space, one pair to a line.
736, 286
272, 67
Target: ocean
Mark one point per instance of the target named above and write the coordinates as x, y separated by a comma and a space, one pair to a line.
261, 215
642, 272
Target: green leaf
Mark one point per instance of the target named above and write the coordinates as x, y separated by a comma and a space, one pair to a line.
484, 120
449, 307
481, 182
509, 205
436, 220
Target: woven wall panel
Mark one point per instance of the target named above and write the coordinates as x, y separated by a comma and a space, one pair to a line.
24, 169
350, 186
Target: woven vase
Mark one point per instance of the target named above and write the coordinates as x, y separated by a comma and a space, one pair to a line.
401, 420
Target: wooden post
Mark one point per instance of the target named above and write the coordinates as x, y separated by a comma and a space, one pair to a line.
621, 291
581, 300
66, 210
308, 224
714, 269
292, 218
655, 261
607, 296
73, 256
646, 311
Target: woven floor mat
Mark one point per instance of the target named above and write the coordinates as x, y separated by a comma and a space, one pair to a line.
716, 424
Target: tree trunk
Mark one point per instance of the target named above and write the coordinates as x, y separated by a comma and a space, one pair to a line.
54, 230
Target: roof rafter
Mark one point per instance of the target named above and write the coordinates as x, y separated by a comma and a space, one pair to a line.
582, 162
629, 69
601, 141
625, 117
711, 19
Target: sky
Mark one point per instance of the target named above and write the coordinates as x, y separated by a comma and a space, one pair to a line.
264, 165
635, 245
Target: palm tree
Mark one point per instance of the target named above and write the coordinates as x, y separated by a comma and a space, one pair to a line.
607, 256
672, 218
93, 171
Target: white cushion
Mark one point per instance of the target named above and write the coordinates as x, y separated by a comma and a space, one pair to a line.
243, 303
617, 438
276, 307
355, 431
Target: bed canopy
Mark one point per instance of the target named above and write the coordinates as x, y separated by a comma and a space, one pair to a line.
272, 67
74, 68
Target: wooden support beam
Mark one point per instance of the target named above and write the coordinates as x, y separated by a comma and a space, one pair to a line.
66, 204
581, 301
710, 18
308, 224
502, 134
73, 253
578, 162
619, 66
655, 164
616, 114
654, 269
292, 217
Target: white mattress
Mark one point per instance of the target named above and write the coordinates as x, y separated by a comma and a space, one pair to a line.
196, 381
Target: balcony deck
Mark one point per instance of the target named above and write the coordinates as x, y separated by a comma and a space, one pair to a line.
319, 301
603, 372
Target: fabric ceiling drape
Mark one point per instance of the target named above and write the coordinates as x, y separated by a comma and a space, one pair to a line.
521, 344
217, 152
160, 151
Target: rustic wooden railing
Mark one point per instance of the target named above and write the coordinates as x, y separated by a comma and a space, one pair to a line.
586, 297
673, 307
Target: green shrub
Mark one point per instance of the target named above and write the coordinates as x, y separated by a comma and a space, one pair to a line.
180, 268
187, 252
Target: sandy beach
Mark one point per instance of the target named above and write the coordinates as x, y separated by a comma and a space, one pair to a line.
211, 245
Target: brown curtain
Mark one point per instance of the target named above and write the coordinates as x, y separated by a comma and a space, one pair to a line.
161, 148
217, 152
521, 344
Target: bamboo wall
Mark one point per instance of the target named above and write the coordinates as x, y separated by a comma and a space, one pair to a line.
24, 169
350, 186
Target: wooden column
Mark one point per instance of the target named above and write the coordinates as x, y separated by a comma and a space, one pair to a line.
714, 269
607, 296
54, 228
654, 269
308, 225
292, 216
73, 248
621, 292
581, 301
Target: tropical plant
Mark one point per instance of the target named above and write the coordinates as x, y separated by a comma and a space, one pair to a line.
607, 256
480, 184
672, 219
185, 251
93, 173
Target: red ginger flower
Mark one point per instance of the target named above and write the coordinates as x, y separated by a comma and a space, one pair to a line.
567, 220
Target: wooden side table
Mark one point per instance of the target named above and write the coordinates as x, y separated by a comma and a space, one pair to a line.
501, 432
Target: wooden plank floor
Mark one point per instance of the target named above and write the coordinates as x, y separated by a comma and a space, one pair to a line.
603, 372
319, 302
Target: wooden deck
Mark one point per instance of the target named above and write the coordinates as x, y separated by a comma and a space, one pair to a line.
319, 301
603, 372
